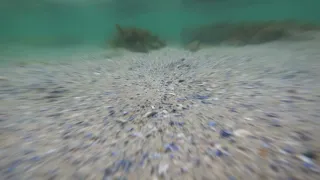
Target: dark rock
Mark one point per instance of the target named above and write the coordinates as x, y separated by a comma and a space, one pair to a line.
58, 91
112, 112
205, 102
273, 115
310, 154
54, 115
292, 91
151, 114
52, 96
136, 39
107, 173
225, 133
171, 147
274, 167
219, 153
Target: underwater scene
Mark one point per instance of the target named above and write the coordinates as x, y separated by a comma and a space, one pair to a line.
152, 90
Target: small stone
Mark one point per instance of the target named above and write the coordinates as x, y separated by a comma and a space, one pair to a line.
171, 147
131, 118
310, 154
206, 102
107, 173
304, 159
150, 114
242, 133
111, 113
121, 121
225, 133
274, 167
2, 78
219, 153
137, 134
233, 110
275, 123
248, 119
273, 115
292, 91
35, 159
212, 123
288, 149
201, 97
184, 169
163, 168
263, 152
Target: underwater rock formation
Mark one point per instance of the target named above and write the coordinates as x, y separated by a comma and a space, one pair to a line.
136, 39
244, 33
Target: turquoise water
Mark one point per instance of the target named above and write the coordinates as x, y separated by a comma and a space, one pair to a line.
40, 23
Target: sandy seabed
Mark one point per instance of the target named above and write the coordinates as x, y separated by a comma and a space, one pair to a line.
224, 113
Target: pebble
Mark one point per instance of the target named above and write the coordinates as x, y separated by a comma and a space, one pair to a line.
107, 173
171, 147
248, 119
273, 115
274, 167
2, 78
149, 114
242, 133
206, 102
172, 123
219, 153
28, 151
275, 123
288, 149
35, 159
137, 134
163, 168
310, 154
131, 118
225, 133
201, 97
111, 113
304, 159
212, 123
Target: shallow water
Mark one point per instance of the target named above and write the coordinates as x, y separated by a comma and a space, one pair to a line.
60, 23
73, 108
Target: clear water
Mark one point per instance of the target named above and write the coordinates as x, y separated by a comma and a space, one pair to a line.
58, 23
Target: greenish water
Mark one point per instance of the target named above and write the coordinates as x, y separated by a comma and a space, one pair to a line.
40, 23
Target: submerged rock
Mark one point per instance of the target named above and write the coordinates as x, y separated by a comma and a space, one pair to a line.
136, 39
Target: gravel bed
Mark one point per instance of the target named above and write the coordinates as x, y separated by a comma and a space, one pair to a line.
224, 113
